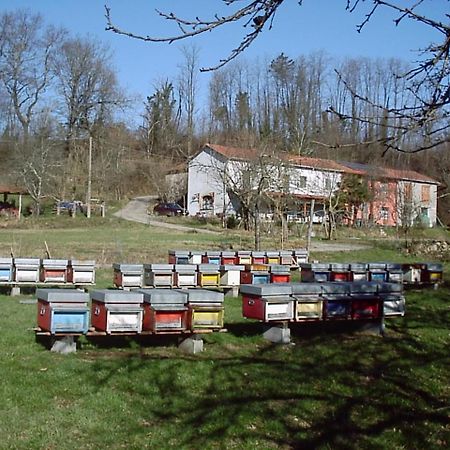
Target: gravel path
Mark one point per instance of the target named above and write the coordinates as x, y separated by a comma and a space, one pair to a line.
136, 211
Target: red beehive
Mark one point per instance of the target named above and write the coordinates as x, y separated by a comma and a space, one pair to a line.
228, 258
280, 274
366, 307
258, 257
164, 310
267, 302
54, 270
339, 272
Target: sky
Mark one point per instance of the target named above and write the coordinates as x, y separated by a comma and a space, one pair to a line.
317, 25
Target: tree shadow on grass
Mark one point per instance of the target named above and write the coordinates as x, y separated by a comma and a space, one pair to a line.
332, 388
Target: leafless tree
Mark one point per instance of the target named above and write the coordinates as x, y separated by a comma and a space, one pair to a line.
425, 120
187, 86
38, 163
88, 86
26, 51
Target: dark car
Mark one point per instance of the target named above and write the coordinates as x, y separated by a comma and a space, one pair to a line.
169, 209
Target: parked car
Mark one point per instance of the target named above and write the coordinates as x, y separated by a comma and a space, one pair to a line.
169, 209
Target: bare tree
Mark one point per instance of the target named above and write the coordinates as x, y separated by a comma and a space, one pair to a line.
88, 86
188, 90
26, 51
38, 163
428, 80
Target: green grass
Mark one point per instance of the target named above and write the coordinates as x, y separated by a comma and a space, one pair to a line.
330, 388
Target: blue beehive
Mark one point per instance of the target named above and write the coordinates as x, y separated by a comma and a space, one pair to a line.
178, 257
6, 269
337, 300
394, 273
377, 271
63, 310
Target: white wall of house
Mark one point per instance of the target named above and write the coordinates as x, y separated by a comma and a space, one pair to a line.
207, 193
313, 182
423, 202
205, 183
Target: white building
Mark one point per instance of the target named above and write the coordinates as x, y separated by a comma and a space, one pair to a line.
216, 170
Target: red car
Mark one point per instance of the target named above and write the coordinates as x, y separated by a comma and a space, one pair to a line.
169, 209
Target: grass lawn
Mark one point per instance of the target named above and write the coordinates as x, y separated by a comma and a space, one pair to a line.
330, 388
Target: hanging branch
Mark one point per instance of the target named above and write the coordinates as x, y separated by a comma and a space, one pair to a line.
429, 79
258, 14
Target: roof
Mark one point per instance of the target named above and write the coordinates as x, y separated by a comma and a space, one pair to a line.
318, 163
234, 152
246, 154
388, 173
354, 168
5, 189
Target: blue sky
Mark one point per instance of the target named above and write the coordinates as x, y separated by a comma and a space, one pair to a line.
298, 30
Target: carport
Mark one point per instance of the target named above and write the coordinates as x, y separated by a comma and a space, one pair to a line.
16, 210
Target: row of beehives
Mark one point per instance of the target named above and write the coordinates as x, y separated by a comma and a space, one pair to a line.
240, 257
70, 311
322, 301
407, 273
36, 270
128, 276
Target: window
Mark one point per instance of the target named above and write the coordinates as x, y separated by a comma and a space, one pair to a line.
208, 202
384, 213
301, 182
383, 189
425, 193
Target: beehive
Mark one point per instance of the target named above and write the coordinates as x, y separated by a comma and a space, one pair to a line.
62, 310
128, 275
244, 257
164, 310
117, 311
339, 272
230, 274
358, 272
185, 275
159, 275
208, 275
54, 270
26, 270
308, 301
206, 309
280, 273
178, 257
6, 269
81, 272
268, 303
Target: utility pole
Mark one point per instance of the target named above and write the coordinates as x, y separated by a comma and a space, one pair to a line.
310, 225
88, 193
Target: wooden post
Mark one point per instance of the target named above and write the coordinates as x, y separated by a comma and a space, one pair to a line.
20, 207
310, 225
88, 194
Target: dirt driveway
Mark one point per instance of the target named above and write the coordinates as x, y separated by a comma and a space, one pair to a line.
136, 211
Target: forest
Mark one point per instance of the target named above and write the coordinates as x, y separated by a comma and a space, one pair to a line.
59, 94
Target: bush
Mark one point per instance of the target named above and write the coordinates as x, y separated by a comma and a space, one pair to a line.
232, 222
